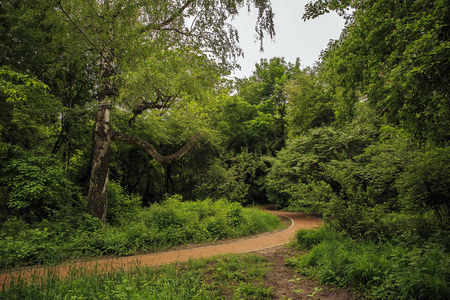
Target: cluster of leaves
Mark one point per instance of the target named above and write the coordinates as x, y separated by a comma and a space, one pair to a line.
395, 57
36, 187
354, 179
398, 269
298, 172
160, 226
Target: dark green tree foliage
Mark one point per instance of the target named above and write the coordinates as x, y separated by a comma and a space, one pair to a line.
44, 86
38, 188
33, 185
310, 103
298, 176
252, 123
255, 118
425, 183
27, 112
394, 55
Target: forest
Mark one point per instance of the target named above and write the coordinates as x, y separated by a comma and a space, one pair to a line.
121, 130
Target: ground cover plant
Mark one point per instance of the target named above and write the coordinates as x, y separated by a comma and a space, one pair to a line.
158, 227
401, 268
222, 277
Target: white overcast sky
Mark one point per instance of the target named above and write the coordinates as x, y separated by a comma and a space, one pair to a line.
294, 37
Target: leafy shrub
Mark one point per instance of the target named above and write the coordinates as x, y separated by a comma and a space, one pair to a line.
160, 226
300, 166
38, 187
426, 183
120, 204
312, 197
306, 239
235, 177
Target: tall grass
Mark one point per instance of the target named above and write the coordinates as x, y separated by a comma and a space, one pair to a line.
388, 270
226, 276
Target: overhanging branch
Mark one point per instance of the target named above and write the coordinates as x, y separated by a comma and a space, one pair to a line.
119, 136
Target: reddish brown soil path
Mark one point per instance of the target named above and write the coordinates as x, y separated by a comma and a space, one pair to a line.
299, 221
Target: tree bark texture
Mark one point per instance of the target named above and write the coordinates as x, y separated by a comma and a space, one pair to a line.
101, 157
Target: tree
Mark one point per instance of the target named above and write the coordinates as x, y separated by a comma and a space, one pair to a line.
395, 56
255, 118
157, 47
310, 104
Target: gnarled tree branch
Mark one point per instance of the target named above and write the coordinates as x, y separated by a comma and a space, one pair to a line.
119, 136
162, 102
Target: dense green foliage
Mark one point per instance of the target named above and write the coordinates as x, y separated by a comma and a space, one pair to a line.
362, 138
158, 227
379, 173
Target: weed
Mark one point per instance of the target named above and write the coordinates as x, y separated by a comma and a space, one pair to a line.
196, 279
250, 291
313, 294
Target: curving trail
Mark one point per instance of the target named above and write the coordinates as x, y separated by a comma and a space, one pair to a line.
299, 221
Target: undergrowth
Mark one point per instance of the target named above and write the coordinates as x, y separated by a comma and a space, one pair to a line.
400, 268
222, 277
158, 227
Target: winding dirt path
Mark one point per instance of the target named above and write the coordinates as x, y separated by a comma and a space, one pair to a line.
299, 221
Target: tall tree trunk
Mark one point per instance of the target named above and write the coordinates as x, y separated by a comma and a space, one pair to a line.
101, 157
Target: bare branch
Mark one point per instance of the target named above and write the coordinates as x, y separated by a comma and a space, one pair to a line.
139, 109
169, 20
162, 101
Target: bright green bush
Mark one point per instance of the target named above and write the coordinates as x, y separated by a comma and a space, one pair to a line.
120, 204
306, 239
299, 168
160, 226
313, 197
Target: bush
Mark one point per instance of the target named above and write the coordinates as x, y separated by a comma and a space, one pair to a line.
306, 239
426, 183
300, 167
120, 204
313, 197
160, 226
38, 188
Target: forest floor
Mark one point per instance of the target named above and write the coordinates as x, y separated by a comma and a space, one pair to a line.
285, 282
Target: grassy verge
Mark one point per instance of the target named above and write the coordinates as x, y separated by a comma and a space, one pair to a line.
223, 277
158, 227
398, 269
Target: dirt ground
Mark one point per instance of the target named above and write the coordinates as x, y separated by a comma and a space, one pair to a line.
287, 284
